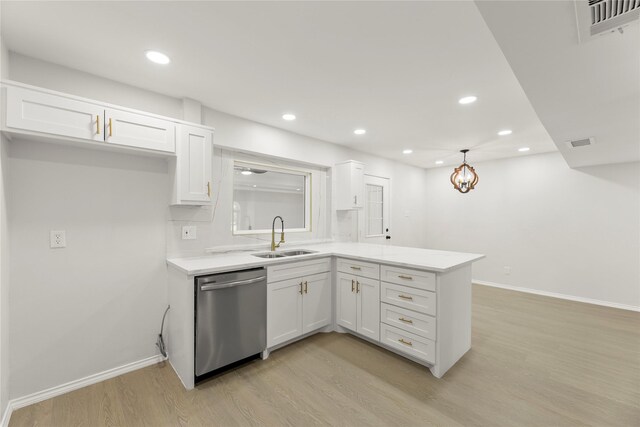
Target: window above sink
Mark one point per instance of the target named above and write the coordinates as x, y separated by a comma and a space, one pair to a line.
261, 192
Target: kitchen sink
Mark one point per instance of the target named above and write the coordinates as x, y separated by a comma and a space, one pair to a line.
293, 252
297, 252
269, 255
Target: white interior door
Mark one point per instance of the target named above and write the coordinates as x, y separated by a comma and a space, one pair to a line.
374, 219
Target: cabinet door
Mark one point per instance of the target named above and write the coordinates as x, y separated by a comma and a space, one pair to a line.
346, 304
368, 308
357, 184
195, 147
316, 302
284, 311
56, 115
137, 130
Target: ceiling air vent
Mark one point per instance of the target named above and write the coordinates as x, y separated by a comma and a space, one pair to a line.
580, 142
611, 15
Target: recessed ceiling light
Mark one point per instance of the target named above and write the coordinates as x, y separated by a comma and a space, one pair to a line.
523, 149
407, 151
505, 132
297, 189
289, 116
254, 186
360, 131
468, 99
439, 162
157, 57
246, 172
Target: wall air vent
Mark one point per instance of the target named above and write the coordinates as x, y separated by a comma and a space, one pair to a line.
576, 143
611, 15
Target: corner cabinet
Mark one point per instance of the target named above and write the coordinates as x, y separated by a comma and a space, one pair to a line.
300, 304
193, 166
358, 297
349, 179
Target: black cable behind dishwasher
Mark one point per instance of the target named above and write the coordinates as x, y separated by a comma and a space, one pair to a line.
160, 342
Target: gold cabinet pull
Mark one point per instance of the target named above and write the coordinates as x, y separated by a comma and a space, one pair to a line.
353, 283
110, 127
405, 297
409, 343
355, 268
98, 124
402, 319
357, 287
306, 287
300, 288
209, 188
402, 276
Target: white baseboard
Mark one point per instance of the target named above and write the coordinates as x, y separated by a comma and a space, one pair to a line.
39, 396
561, 296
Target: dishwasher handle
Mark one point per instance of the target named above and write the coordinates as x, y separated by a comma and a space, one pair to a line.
231, 284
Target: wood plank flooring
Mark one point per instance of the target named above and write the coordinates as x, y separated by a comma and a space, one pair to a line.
535, 361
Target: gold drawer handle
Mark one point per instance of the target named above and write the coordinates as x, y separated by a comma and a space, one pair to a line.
306, 287
355, 268
357, 287
405, 297
209, 188
98, 123
353, 285
409, 343
402, 276
110, 127
300, 288
402, 319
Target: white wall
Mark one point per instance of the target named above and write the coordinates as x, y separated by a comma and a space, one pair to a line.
566, 231
96, 304
4, 255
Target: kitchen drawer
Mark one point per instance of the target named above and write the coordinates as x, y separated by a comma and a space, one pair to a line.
409, 277
295, 269
359, 268
407, 320
411, 344
411, 298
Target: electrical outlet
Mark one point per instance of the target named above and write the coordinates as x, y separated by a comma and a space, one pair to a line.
57, 239
507, 270
189, 232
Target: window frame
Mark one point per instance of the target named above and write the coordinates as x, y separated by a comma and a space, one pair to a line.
308, 199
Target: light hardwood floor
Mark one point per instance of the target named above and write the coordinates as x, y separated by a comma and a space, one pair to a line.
535, 361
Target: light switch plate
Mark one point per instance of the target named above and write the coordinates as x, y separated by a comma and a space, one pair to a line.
189, 232
57, 239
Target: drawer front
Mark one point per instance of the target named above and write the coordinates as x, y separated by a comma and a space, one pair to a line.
295, 269
359, 268
407, 320
411, 344
406, 276
411, 298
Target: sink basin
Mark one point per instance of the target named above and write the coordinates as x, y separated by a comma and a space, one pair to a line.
298, 252
269, 255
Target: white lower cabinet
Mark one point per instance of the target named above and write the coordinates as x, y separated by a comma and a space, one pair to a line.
358, 304
411, 344
297, 306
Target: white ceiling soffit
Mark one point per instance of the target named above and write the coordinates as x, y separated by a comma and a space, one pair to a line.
396, 69
580, 87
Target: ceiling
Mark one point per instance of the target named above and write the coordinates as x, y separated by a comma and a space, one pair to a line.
580, 87
395, 69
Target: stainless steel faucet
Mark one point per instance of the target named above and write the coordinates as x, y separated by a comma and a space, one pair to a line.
273, 233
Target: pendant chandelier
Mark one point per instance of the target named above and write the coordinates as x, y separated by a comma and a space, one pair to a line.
464, 178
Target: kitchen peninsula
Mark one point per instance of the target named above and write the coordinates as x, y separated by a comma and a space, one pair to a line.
414, 302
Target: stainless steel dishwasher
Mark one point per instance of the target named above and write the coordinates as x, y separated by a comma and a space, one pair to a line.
231, 318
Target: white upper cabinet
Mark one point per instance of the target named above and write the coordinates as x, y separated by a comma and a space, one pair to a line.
194, 150
138, 130
349, 180
42, 112
58, 116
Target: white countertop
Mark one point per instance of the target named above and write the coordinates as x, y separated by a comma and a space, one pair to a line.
424, 259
